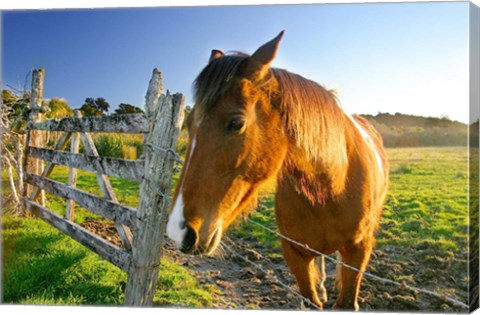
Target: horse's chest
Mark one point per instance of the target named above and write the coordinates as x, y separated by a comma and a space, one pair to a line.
325, 228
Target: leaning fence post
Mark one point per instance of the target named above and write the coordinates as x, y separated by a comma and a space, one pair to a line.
165, 113
73, 172
34, 137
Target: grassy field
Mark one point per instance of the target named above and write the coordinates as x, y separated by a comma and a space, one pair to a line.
422, 239
43, 266
427, 201
426, 206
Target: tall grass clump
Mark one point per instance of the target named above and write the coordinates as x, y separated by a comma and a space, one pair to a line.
122, 146
135, 141
129, 152
109, 145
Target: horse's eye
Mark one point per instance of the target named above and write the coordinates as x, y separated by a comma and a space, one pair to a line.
236, 124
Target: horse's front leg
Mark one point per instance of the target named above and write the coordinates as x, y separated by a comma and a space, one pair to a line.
357, 256
302, 264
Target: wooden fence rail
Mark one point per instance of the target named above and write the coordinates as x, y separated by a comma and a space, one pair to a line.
109, 166
141, 230
130, 123
105, 249
103, 207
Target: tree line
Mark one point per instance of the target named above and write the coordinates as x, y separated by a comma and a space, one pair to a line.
59, 108
401, 130
397, 130
100, 107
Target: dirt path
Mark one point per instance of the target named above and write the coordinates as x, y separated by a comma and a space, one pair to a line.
244, 286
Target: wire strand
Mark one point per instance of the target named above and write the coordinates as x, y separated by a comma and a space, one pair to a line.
232, 251
175, 155
402, 285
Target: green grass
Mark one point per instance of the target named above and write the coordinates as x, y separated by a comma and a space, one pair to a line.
263, 215
177, 287
43, 266
427, 202
427, 206
428, 198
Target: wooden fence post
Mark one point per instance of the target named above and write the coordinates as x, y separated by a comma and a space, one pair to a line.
72, 172
34, 137
165, 113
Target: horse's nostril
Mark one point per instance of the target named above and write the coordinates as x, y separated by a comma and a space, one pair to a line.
182, 224
190, 240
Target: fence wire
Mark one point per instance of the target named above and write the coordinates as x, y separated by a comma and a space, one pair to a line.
402, 285
277, 280
174, 155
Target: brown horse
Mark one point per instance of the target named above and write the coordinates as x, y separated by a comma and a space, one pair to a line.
252, 122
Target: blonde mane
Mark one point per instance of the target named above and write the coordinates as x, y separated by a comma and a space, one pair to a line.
314, 119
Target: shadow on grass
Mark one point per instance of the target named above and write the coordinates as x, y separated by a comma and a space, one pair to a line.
42, 266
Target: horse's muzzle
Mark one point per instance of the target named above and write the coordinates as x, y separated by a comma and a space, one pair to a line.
190, 241
192, 244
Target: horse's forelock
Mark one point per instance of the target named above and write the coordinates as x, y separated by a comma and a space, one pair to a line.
216, 79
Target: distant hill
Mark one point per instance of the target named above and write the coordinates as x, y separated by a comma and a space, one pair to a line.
400, 130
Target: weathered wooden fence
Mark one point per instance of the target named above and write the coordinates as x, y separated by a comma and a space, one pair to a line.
141, 230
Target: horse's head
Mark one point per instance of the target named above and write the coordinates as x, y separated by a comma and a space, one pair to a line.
236, 143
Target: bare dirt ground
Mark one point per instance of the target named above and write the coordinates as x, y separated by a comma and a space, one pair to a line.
247, 287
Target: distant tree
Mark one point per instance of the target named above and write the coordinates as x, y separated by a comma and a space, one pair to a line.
444, 117
95, 107
402, 130
102, 104
90, 110
128, 109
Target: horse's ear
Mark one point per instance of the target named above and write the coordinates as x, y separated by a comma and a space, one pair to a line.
260, 61
215, 55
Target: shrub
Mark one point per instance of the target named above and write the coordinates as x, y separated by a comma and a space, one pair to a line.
123, 146
109, 145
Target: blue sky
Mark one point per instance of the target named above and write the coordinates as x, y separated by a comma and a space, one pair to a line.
400, 57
